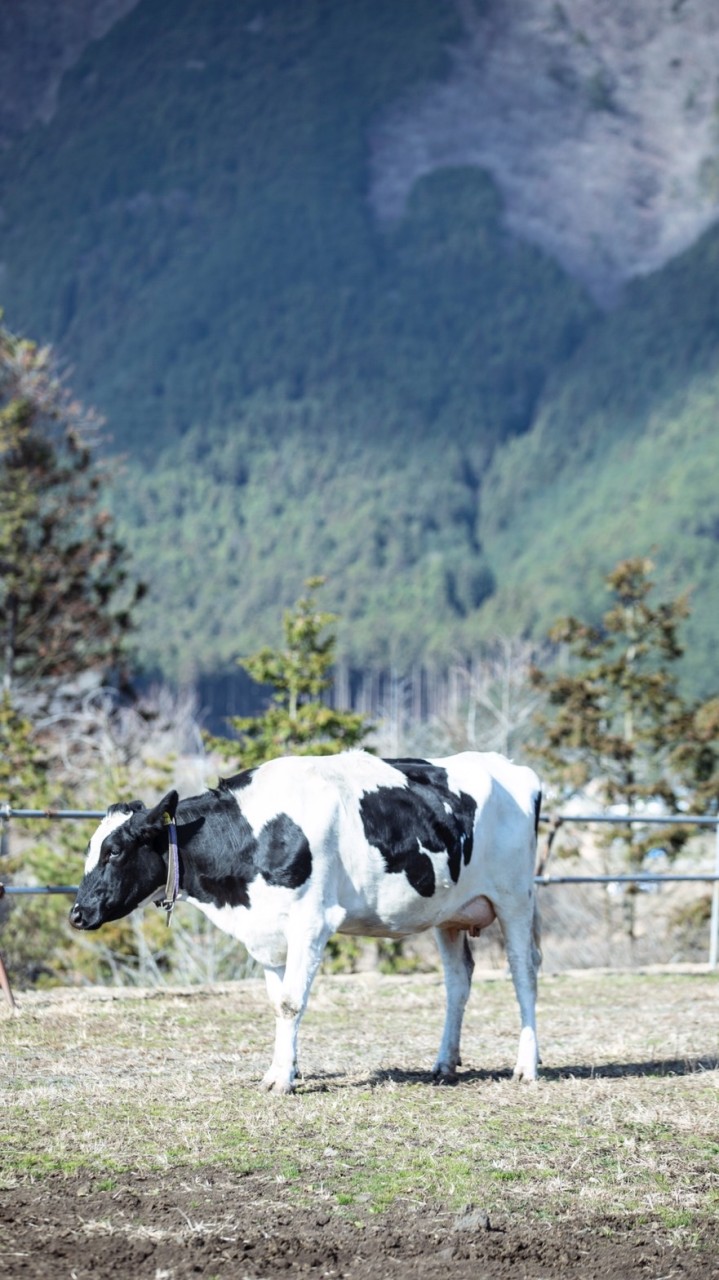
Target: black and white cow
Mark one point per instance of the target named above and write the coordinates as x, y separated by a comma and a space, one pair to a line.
283, 856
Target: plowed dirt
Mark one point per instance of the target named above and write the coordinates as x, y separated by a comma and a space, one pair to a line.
208, 1224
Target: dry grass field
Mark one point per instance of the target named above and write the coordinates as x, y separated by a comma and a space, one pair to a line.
134, 1139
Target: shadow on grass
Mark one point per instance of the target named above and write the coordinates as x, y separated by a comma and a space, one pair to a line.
620, 1070
653, 1067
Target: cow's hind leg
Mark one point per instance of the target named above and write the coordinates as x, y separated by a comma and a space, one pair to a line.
521, 940
458, 965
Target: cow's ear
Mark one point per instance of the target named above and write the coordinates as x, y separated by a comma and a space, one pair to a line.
156, 817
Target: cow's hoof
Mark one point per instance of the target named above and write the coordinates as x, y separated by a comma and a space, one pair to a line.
274, 1083
527, 1057
525, 1077
443, 1073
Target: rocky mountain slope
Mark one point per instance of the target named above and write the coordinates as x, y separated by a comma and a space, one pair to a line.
599, 123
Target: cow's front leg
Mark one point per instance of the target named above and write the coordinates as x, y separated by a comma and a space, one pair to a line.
458, 964
289, 989
283, 1069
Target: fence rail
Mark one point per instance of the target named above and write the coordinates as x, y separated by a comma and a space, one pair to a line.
37, 888
6, 813
640, 878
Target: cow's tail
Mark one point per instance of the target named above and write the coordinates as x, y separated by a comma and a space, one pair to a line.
537, 809
536, 917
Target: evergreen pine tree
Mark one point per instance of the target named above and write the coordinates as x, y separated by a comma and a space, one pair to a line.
65, 594
615, 717
297, 721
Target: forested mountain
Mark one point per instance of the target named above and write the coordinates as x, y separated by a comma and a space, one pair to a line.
332, 334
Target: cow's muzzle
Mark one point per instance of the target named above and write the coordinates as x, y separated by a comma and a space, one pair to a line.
78, 920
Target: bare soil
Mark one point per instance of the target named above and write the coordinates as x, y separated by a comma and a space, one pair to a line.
190, 1223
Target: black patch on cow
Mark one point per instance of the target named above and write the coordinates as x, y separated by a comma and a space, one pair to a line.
239, 781
408, 823
227, 856
224, 891
283, 854
422, 774
537, 810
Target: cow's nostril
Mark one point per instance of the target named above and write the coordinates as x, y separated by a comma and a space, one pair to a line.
75, 916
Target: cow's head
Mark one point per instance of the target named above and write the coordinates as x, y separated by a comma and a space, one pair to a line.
126, 864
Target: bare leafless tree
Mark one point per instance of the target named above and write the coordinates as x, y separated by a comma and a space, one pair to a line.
496, 698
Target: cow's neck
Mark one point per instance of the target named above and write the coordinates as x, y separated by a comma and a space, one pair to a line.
215, 846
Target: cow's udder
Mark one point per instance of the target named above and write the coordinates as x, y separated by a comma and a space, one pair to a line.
475, 915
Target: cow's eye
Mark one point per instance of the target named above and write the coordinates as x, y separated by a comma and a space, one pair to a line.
114, 855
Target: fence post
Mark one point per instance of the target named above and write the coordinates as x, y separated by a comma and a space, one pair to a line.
714, 926
4, 852
5, 812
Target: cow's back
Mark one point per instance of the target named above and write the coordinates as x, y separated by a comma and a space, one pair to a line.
506, 793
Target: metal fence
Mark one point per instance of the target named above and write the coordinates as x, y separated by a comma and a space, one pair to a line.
640, 877
7, 813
